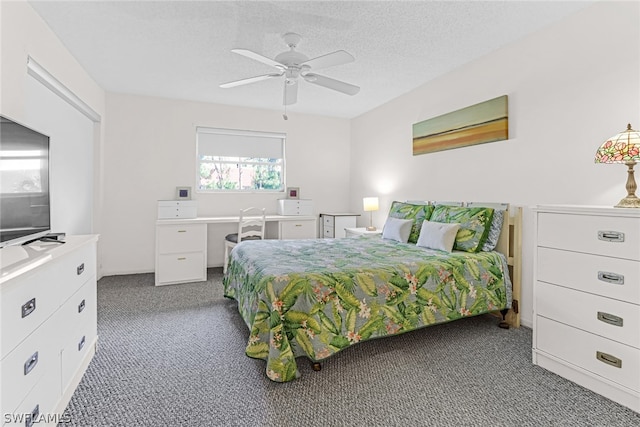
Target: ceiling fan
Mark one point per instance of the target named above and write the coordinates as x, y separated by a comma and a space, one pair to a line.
292, 64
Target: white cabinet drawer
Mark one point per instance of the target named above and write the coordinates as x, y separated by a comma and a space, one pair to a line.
185, 267
40, 402
588, 351
328, 232
26, 303
78, 319
611, 277
613, 236
23, 367
328, 220
616, 320
298, 229
181, 238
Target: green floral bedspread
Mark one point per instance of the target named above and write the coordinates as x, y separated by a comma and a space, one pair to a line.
316, 297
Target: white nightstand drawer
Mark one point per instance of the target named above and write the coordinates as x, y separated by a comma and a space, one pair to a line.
328, 232
185, 267
181, 238
603, 235
591, 352
616, 320
611, 277
328, 220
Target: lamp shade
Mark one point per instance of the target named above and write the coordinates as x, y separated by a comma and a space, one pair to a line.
370, 204
621, 148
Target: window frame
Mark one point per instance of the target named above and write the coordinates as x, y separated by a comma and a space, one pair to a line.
241, 133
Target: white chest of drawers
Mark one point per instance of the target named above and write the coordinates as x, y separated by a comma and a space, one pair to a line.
302, 207
334, 224
587, 298
181, 253
48, 329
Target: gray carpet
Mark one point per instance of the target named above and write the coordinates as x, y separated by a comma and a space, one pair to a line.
174, 356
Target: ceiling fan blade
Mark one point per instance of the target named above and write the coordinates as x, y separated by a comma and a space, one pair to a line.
260, 58
290, 93
330, 83
249, 80
338, 57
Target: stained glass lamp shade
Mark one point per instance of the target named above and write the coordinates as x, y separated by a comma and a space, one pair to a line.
623, 148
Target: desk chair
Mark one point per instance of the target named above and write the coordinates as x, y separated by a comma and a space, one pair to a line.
250, 227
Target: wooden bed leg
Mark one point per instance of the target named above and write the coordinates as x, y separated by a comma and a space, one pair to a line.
316, 366
503, 324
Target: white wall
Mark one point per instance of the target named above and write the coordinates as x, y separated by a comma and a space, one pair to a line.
570, 87
150, 149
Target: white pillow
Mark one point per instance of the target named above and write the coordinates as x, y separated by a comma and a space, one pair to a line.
438, 235
397, 229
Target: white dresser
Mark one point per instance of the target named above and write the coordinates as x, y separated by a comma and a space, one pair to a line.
48, 329
587, 298
334, 224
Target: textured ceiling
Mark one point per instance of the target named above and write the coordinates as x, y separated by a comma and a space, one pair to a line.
181, 49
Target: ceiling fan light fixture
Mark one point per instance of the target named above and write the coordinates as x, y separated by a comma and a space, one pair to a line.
293, 64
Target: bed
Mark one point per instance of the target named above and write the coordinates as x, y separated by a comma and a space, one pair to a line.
313, 298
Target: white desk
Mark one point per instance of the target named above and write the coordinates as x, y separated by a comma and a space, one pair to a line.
181, 244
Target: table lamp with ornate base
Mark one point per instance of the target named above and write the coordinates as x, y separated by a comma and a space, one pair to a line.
623, 148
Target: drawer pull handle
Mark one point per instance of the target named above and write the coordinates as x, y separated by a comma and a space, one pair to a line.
32, 417
81, 306
80, 269
609, 359
28, 307
81, 343
611, 236
182, 231
610, 319
182, 258
614, 278
31, 363
298, 225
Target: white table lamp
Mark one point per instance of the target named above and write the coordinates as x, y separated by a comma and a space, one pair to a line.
370, 204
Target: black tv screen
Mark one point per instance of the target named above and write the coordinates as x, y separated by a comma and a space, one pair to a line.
24, 183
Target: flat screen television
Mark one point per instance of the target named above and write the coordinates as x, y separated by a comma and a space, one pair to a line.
24, 183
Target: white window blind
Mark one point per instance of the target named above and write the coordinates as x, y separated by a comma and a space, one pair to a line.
237, 160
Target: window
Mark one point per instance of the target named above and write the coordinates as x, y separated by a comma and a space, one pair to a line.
235, 160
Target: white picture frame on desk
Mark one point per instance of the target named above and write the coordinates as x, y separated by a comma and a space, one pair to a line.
183, 193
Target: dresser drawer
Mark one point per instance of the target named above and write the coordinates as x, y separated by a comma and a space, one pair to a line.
603, 235
181, 238
327, 220
23, 367
39, 403
25, 304
186, 267
593, 353
77, 343
611, 277
298, 230
80, 309
616, 320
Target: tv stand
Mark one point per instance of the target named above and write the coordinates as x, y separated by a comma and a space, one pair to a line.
48, 327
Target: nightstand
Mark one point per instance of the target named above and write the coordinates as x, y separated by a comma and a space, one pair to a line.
360, 231
334, 224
